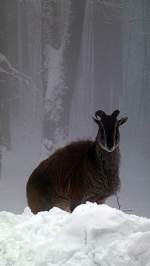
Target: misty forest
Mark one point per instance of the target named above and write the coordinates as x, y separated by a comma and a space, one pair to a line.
60, 61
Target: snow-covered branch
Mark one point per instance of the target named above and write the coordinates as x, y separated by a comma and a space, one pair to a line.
7, 68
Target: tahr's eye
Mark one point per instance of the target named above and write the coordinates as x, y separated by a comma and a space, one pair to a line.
117, 135
102, 133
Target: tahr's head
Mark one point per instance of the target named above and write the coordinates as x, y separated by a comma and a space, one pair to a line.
108, 136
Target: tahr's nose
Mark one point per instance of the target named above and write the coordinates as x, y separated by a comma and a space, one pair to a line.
110, 143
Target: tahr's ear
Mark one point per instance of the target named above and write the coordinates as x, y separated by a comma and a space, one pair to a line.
122, 121
97, 121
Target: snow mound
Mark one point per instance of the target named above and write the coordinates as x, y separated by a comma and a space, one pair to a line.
92, 235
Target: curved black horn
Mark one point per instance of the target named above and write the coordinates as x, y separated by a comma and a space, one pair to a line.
100, 113
115, 113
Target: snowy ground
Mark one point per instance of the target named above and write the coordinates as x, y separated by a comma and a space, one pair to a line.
92, 235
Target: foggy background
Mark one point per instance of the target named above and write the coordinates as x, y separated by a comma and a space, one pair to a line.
60, 61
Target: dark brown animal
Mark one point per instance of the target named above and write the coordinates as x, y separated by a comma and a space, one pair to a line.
81, 171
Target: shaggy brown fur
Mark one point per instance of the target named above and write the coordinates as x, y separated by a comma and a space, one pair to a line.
78, 172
